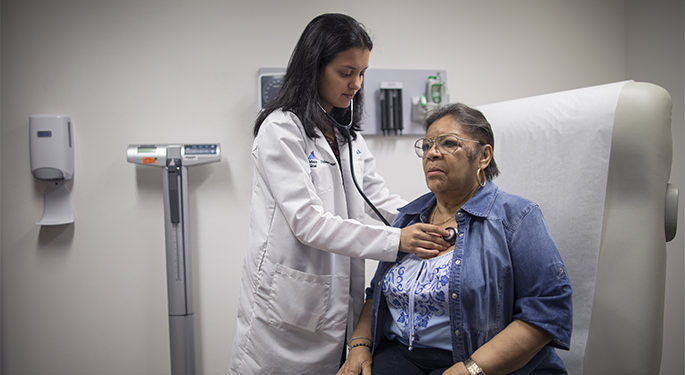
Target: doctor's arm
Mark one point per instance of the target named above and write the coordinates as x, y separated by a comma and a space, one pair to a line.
280, 155
359, 357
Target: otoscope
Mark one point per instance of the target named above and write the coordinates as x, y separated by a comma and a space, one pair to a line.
345, 130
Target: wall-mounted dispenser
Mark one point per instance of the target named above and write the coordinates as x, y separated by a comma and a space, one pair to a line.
435, 97
51, 145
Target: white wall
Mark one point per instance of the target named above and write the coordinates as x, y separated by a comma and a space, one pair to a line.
90, 298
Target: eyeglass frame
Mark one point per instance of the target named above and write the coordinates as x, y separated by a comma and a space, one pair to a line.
434, 144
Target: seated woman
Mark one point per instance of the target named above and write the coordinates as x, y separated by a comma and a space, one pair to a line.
496, 302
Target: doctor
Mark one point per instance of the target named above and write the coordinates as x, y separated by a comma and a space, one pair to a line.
303, 272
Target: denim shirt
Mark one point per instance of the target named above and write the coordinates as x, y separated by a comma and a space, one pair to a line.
505, 266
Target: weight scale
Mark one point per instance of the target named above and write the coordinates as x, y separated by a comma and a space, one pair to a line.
175, 160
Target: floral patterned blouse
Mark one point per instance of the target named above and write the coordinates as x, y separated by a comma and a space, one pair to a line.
416, 290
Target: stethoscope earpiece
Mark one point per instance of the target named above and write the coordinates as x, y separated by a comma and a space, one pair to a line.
452, 236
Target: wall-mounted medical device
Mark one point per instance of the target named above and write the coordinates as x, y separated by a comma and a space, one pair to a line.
390, 105
380, 87
51, 147
415, 83
268, 84
434, 98
175, 160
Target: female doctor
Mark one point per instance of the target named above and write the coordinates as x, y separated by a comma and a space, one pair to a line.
303, 273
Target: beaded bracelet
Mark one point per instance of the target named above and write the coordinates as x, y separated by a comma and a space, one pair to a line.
360, 344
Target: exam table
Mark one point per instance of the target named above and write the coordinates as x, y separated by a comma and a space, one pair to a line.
598, 160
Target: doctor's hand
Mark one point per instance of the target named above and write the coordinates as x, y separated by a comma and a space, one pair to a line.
424, 240
358, 362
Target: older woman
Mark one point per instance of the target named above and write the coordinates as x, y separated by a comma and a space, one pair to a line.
498, 301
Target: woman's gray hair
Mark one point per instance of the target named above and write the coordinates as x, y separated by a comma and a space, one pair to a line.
474, 123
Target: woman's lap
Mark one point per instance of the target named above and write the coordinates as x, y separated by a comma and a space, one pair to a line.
393, 358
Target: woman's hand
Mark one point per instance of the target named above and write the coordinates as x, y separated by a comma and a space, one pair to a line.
457, 369
424, 240
358, 362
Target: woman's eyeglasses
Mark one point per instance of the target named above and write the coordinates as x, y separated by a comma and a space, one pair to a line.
445, 143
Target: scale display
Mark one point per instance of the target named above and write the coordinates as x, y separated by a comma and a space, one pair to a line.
200, 149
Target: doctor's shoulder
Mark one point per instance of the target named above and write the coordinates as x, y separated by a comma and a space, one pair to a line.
279, 124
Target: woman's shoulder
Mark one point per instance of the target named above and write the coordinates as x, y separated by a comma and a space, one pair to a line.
505, 197
511, 204
278, 123
281, 116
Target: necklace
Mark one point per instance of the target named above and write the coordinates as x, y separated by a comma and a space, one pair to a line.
444, 222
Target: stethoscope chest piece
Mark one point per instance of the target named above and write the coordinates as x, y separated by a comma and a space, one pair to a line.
452, 236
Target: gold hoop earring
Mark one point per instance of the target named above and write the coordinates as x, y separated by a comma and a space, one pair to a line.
482, 181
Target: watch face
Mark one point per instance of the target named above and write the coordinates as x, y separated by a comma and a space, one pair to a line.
270, 85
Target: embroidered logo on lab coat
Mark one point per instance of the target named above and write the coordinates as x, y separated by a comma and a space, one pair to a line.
314, 161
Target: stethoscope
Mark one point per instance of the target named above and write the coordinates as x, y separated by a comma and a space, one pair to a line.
345, 129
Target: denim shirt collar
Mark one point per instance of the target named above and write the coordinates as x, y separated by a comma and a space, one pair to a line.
480, 203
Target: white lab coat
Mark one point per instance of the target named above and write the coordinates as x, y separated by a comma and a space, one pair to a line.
303, 276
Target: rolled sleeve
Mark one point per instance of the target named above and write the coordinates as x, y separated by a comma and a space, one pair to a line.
543, 289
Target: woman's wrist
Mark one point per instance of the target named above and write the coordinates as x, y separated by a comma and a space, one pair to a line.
360, 344
361, 338
472, 368
359, 341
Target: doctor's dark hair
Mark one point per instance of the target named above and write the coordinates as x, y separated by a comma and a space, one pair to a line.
474, 123
324, 37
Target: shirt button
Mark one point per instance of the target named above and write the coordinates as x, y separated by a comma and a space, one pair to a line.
460, 214
454, 295
461, 234
457, 332
458, 261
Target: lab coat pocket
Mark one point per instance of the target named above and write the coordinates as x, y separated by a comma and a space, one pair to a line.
324, 176
298, 299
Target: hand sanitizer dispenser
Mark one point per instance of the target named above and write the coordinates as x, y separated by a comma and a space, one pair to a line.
51, 145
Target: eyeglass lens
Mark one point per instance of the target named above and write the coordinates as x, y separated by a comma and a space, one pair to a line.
445, 144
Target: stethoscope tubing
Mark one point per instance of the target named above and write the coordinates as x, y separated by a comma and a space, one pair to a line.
345, 130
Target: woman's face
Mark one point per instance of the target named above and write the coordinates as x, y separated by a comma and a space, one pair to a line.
453, 173
342, 78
